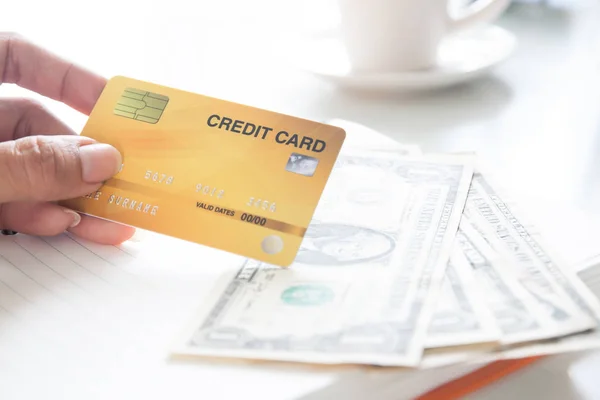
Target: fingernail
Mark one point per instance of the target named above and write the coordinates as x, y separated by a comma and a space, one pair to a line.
99, 162
76, 217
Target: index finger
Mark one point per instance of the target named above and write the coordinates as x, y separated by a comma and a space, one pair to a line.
36, 69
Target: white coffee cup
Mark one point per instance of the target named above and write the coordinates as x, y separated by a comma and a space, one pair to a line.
401, 35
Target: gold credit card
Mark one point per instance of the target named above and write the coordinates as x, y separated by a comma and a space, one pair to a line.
209, 171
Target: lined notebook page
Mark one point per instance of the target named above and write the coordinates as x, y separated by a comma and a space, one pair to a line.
81, 320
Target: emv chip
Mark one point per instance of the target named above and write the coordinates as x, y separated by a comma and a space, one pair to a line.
141, 105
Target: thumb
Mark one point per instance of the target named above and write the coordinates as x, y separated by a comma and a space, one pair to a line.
51, 168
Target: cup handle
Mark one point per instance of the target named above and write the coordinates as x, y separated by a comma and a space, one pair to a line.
481, 11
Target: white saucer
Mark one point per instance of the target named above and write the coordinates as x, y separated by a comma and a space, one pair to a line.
462, 57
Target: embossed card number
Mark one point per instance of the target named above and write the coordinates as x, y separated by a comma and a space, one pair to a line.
158, 177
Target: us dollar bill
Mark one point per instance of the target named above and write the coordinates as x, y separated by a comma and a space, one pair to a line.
363, 285
462, 315
560, 316
564, 302
515, 312
589, 274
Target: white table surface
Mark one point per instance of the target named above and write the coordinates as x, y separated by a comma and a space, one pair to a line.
536, 120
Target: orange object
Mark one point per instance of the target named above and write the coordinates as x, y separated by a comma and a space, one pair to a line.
476, 380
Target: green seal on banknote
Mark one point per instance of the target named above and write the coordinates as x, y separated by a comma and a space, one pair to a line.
307, 295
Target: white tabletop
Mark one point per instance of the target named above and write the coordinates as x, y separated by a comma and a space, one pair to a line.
536, 120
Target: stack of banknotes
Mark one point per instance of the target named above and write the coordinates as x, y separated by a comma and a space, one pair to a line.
411, 260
